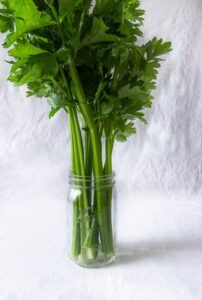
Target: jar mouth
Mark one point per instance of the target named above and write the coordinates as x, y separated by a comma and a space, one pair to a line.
72, 175
92, 181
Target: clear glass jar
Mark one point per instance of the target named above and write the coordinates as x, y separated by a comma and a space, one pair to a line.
91, 220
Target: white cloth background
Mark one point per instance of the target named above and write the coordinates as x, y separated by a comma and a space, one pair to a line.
159, 174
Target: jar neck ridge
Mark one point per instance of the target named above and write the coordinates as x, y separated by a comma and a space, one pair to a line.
105, 181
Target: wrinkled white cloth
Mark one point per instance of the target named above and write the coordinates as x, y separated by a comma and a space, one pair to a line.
159, 176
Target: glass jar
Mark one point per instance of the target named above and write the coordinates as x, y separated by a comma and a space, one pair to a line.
91, 220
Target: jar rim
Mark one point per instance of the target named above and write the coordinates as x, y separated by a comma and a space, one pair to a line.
95, 178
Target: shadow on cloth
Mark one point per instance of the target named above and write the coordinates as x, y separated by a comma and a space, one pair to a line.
131, 252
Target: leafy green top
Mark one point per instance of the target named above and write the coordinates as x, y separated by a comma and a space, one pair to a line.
116, 72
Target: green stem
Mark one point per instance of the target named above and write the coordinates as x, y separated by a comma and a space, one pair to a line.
97, 155
115, 78
80, 170
88, 154
108, 171
55, 15
109, 149
96, 144
76, 241
88, 164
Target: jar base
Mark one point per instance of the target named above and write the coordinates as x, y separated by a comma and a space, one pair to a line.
97, 263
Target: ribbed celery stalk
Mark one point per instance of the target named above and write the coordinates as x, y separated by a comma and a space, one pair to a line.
76, 239
108, 171
82, 199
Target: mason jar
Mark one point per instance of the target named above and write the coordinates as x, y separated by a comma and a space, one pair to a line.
91, 220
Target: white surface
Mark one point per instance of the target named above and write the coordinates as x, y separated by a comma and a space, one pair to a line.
159, 175
159, 251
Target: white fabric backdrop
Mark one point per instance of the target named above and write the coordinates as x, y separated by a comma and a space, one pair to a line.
159, 174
